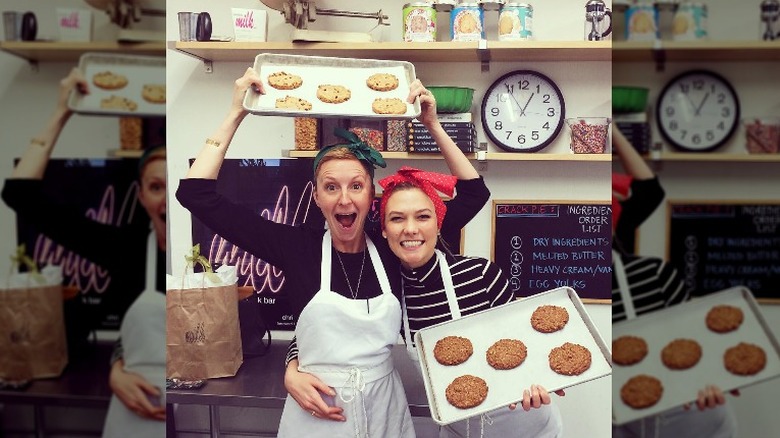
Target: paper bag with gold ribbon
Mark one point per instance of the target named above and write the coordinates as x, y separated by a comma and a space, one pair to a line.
32, 324
202, 329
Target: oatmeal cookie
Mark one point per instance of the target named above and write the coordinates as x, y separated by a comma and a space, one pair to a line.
382, 82
506, 354
284, 81
641, 391
333, 93
466, 391
548, 319
681, 354
723, 319
108, 80
569, 359
153, 93
452, 350
290, 102
744, 359
389, 106
118, 103
628, 350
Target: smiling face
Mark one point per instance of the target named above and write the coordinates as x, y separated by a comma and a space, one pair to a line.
344, 193
410, 226
152, 196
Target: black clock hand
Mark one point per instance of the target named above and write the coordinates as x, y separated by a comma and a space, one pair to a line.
516, 102
522, 110
702, 103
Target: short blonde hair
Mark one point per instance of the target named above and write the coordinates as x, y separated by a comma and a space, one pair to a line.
340, 153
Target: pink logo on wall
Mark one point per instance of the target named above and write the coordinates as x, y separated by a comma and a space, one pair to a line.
249, 24
247, 21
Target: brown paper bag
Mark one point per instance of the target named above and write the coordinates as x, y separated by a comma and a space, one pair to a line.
32, 326
202, 328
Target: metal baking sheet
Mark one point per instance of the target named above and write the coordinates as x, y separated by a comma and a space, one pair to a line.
318, 70
139, 70
687, 320
513, 321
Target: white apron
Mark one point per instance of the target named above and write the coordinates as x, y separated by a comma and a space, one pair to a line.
143, 339
718, 422
544, 422
348, 347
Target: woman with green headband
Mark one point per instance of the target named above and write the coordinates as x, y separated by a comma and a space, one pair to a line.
350, 314
137, 275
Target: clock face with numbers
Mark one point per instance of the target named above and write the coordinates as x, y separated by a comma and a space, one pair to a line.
697, 111
523, 111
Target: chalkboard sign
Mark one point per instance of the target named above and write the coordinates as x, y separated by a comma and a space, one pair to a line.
717, 245
541, 245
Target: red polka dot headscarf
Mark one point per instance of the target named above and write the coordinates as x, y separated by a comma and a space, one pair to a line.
428, 182
621, 185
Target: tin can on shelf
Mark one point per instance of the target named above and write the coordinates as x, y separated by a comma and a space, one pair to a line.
467, 22
515, 22
690, 22
419, 22
642, 22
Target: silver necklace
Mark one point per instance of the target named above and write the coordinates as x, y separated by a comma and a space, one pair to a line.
354, 293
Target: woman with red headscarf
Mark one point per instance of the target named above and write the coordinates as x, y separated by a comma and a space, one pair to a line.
439, 287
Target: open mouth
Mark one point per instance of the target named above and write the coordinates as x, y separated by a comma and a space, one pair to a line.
346, 220
411, 243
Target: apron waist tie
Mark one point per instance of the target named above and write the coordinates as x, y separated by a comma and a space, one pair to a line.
350, 383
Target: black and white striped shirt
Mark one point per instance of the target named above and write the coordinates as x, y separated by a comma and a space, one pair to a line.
653, 284
479, 285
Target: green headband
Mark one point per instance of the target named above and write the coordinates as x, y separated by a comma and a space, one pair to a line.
147, 155
363, 152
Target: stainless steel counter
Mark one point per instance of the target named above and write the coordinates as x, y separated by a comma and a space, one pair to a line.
260, 383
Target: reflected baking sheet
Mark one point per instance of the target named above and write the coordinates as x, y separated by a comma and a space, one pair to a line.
512, 321
319, 70
687, 320
139, 71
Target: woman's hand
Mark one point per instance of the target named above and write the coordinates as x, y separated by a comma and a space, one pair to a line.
710, 397
428, 115
133, 390
74, 81
535, 397
307, 391
242, 84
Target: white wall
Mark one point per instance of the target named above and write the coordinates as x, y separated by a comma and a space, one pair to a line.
759, 94
198, 101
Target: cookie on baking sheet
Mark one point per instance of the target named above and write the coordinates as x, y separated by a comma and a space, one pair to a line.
744, 359
290, 102
452, 350
389, 106
506, 354
569, 359
548, 319
118, 103
284, 81
628, 350
641, 391
466, 391
723, 318
153, 93
333, 93
382, 82
108, 80
681, 354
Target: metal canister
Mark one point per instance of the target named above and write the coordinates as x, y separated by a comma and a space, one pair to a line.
690, 22
515, 22
419, 20
467, 22
642, 22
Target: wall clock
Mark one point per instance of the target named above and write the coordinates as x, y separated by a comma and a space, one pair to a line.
697, 111
523, 111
